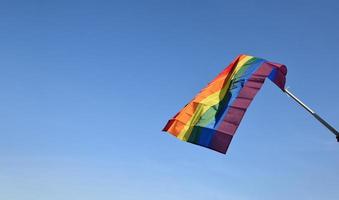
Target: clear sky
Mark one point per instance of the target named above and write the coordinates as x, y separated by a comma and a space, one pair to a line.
87, 86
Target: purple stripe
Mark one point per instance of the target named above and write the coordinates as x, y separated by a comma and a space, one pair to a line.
236, 111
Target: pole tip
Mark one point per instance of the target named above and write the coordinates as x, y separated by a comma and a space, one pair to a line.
337, 138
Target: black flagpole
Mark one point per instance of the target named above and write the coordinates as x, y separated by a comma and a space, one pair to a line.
321, 120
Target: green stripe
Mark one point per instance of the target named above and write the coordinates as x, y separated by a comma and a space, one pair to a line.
212, 112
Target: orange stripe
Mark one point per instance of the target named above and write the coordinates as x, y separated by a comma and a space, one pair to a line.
175, 128
219, 82
216, 85
211, 100
186, 114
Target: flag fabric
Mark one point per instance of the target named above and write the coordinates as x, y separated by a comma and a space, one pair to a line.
213, 116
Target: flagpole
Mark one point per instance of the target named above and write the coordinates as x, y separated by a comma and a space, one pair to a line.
321, 120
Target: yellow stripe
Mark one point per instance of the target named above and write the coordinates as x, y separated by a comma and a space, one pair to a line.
209, 101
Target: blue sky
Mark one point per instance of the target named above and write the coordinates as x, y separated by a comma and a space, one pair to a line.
87, 86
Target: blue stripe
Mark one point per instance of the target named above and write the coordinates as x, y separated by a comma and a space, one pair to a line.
237, 84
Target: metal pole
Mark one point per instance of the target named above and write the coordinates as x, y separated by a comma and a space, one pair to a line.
321, 120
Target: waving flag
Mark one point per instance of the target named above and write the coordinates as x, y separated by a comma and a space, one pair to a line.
213, 116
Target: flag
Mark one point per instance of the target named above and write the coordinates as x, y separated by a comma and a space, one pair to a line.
213, 116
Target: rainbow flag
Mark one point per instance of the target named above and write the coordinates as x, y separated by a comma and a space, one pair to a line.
213, 116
